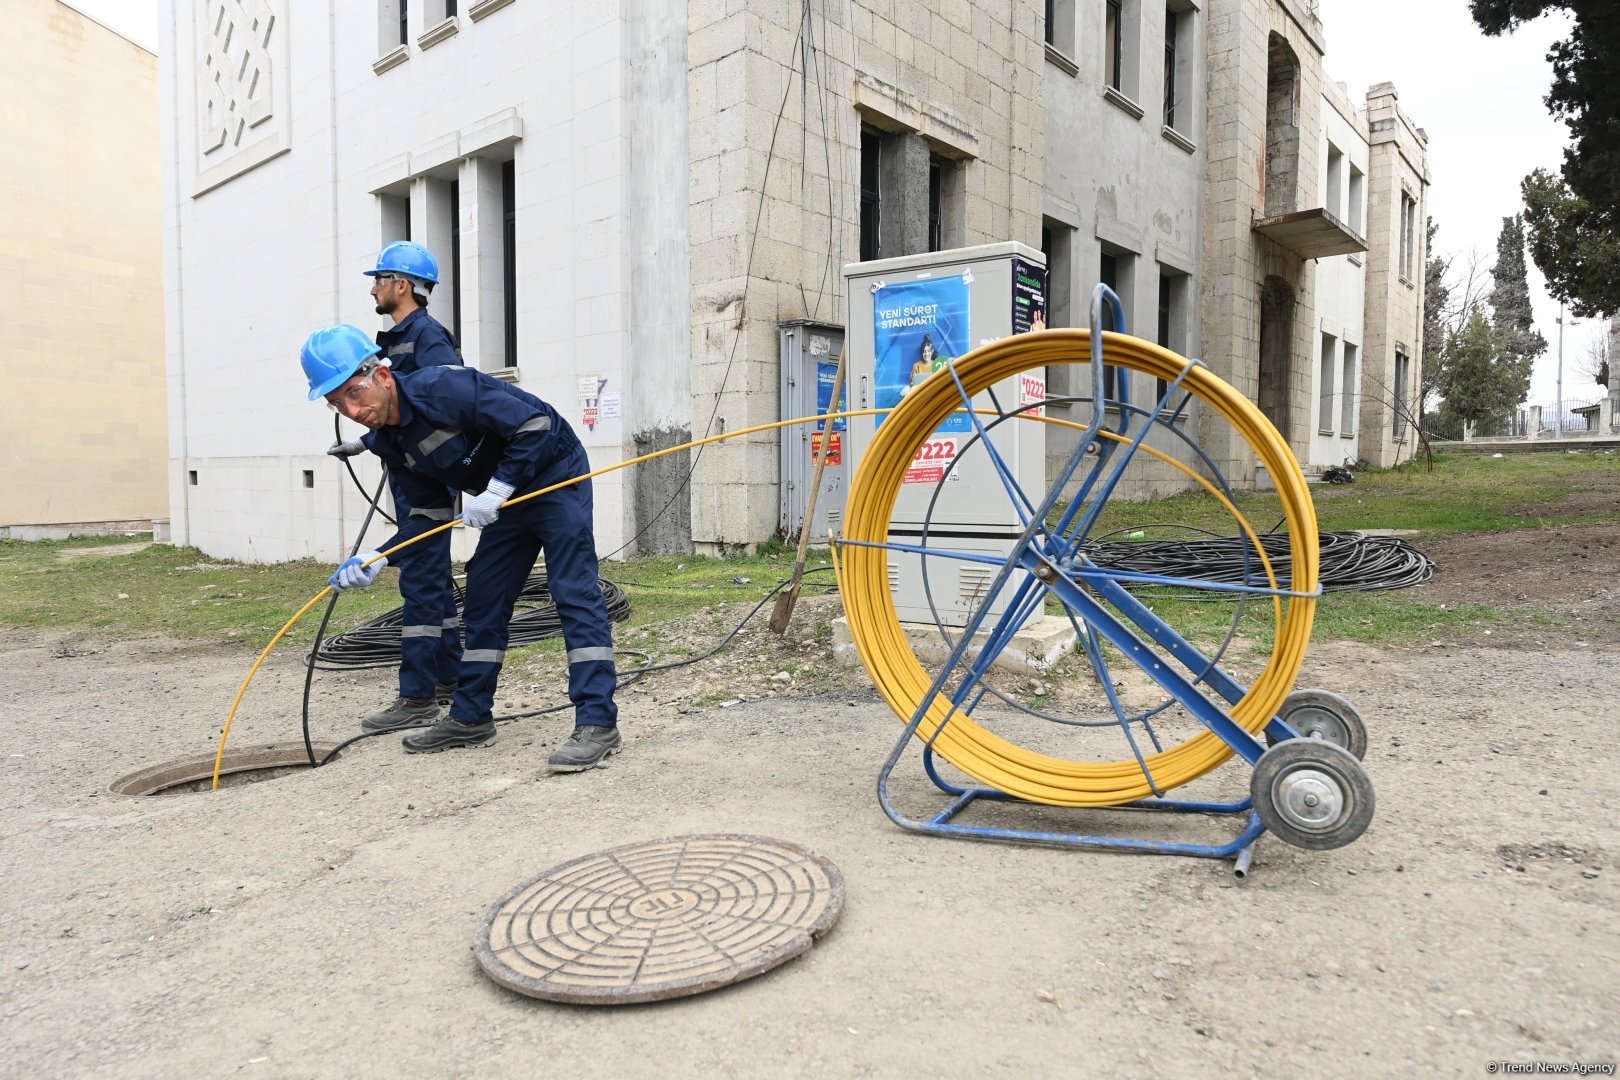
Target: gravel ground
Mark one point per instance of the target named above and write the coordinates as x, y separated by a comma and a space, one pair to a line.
320, 924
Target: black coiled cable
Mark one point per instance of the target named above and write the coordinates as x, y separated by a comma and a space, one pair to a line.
375, 642
1349, 561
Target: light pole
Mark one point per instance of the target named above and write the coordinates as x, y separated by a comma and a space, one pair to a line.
1558, 406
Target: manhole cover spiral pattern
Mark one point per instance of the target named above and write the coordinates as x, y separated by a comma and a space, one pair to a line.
660, 919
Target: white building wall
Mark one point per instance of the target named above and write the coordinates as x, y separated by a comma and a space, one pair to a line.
1341, 287
256, 261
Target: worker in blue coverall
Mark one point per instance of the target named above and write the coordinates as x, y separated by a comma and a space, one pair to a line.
430, 634
456, 426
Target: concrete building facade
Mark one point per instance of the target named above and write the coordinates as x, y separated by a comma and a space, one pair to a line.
82, 382
1341, 287
1398, 187
629, 201
1279, 239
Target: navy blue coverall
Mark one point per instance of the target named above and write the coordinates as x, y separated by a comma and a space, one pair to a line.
460, 427
430, 639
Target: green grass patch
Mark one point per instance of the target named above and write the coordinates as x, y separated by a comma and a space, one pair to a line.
100, 585
1464, 493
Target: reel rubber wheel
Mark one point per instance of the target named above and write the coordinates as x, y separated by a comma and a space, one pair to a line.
1324, 715
899, 676
1312, 794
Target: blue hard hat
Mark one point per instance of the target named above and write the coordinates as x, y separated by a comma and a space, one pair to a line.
412, 260
332, 355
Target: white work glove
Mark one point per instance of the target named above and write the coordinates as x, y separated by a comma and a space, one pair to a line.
484, 509
353, 574
345, 450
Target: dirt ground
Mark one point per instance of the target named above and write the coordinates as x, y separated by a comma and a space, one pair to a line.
321, 924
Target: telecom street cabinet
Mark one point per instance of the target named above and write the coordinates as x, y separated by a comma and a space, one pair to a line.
908, 318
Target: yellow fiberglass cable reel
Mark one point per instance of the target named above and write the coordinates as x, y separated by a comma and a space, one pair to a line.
1155, 654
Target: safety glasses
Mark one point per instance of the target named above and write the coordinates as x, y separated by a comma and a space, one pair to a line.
340, 400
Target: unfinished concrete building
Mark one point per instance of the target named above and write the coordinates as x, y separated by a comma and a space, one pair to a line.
1278, 201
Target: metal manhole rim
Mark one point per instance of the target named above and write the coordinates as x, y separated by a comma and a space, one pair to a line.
191, 768
757, 964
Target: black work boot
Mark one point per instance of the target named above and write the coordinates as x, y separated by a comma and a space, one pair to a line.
586, 748
444, 693
405, 712
447, 733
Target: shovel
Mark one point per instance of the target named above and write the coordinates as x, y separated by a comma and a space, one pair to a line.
783, 611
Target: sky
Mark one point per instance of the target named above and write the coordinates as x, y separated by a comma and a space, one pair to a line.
1479, 99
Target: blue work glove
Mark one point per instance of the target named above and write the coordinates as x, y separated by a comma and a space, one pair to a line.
484, 509
354, 575
345, 450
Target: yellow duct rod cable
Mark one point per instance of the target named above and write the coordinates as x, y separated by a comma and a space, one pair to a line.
230, 718
911, 405
900, 678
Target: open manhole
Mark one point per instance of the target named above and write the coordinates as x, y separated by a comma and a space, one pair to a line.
660, 919
249, 766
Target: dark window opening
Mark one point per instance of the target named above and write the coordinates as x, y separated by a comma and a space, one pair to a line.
309, 478
1161, 385
1108, 274
1169, 68
1051, 20
870, 146
449, 9
455, 261
936, 202
509, 258
404, 9
192, 476
1113, 43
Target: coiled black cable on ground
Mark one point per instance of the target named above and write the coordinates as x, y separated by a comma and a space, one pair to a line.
1350, 560
375, 642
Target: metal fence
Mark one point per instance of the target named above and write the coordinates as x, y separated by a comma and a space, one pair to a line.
1572, 417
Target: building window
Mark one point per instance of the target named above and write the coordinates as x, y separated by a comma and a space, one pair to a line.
1060, 26
1179, 52
396, 218
1334, 180
1169, 67
1328, 370
1114, 44
1172, 328
393, 17
936, 203
1358, 184
509, 259
871, 148
1403, 376
455, 259
1348, 393
911, 199
1057, 244
1408, 217
1115, 268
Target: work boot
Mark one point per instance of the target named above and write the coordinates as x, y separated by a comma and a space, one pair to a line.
405, 712
586, 748
443, 693
447, 733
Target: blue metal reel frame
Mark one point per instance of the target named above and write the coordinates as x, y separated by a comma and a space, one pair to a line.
1055, 568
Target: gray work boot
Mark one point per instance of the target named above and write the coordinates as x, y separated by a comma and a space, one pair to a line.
586, 748
449, 733
405, 712
444, 693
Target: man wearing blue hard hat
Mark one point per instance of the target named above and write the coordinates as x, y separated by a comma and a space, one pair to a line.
430, 639
452, 425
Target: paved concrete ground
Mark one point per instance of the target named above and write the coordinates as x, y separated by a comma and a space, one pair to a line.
321, 924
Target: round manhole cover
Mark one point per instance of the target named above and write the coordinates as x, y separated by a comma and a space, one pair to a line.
660, 919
